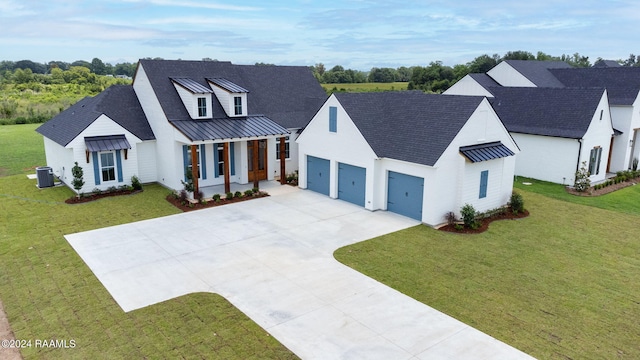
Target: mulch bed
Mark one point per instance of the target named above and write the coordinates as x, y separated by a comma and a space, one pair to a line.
484, 223
93, 197
189, 206
605, 190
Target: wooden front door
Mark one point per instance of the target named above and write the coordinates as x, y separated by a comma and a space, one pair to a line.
257, 158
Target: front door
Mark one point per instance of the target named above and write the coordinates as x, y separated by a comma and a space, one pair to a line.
257, 157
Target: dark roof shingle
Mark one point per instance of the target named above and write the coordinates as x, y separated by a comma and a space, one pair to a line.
288, 95
409, 125
538, 71
118, 102
555, 112
622, 83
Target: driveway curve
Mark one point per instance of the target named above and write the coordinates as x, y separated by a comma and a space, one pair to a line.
273, 259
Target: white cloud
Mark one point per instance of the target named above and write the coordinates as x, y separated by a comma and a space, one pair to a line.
195, 4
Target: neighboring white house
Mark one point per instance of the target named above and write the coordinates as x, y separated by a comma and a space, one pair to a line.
416, 154
231, 121
622, 86
557, 130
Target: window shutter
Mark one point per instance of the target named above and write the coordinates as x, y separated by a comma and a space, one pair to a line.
185, 159
484, 179
203, 162
216, 160
232, 157
333, 119
96, 168
119, 165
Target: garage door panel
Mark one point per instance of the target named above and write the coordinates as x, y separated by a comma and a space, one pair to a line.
405, 194
318, 171
352, 183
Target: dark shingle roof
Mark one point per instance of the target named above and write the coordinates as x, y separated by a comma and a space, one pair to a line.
408, 125
229, 128
118, 102
538, 71
606, 63
288, 95
484, 80
562, 112
622, 83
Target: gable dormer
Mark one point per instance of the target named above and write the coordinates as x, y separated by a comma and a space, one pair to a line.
195, 97
232, 97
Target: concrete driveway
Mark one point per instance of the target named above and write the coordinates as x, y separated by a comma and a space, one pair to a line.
272, 258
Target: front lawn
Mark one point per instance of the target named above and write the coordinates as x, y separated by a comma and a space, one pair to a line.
626, 200
49, 293
560, 284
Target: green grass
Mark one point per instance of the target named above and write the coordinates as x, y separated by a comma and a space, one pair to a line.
22, 149
365, 87
49, 293
560, 284
626, 200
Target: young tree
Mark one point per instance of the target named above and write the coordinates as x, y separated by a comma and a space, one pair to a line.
78, 181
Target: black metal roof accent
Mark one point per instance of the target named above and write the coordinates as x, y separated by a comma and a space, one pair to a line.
486, 151
228, 85
192, 86
229, 128
106, 143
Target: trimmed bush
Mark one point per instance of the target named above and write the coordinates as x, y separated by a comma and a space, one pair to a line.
216, 197
517, 203
237, 194
248, 193
468, 213
229, 195
135, 183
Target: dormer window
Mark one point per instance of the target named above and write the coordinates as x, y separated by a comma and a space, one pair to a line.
195, 97
237, 105
202, 107
231, 96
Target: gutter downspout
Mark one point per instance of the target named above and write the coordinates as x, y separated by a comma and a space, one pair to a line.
579, 154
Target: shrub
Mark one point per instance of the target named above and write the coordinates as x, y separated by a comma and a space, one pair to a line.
248, 193
135, 183
451, 218
468, 213
229, 195
517, 203
255, 190
634, 164
237, 194
78, 181
183, 196
112, 189
188, 185
199, 196
216, 197
582, 182
96, 191
459, 227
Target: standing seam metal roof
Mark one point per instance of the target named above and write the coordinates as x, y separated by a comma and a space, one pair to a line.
192, 85
228, 85
487, 151
106, 143
228, 128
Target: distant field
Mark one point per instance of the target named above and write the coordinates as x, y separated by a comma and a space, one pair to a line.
365, 87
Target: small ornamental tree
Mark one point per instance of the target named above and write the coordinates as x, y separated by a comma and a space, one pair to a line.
468, 213
582, 182
78, 181
188, 185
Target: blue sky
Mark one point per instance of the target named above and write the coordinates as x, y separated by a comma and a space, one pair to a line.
357, 34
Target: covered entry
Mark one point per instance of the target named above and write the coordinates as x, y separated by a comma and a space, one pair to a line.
351, 183
405, 194
318, 171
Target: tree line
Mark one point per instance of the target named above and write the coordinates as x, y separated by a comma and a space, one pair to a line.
96, 66
437, 77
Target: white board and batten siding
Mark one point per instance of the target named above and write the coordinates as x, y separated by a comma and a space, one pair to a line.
598, 135
346, 145
147, 162
168, 153
467, 86
101, 126
505, 75
60, 159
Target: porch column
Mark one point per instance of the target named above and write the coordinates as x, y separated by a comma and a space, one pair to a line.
194, 169
256, 182
225, 155
283, 170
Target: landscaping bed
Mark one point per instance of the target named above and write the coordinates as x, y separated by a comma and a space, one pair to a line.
97, 196
483, 224
184, 204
